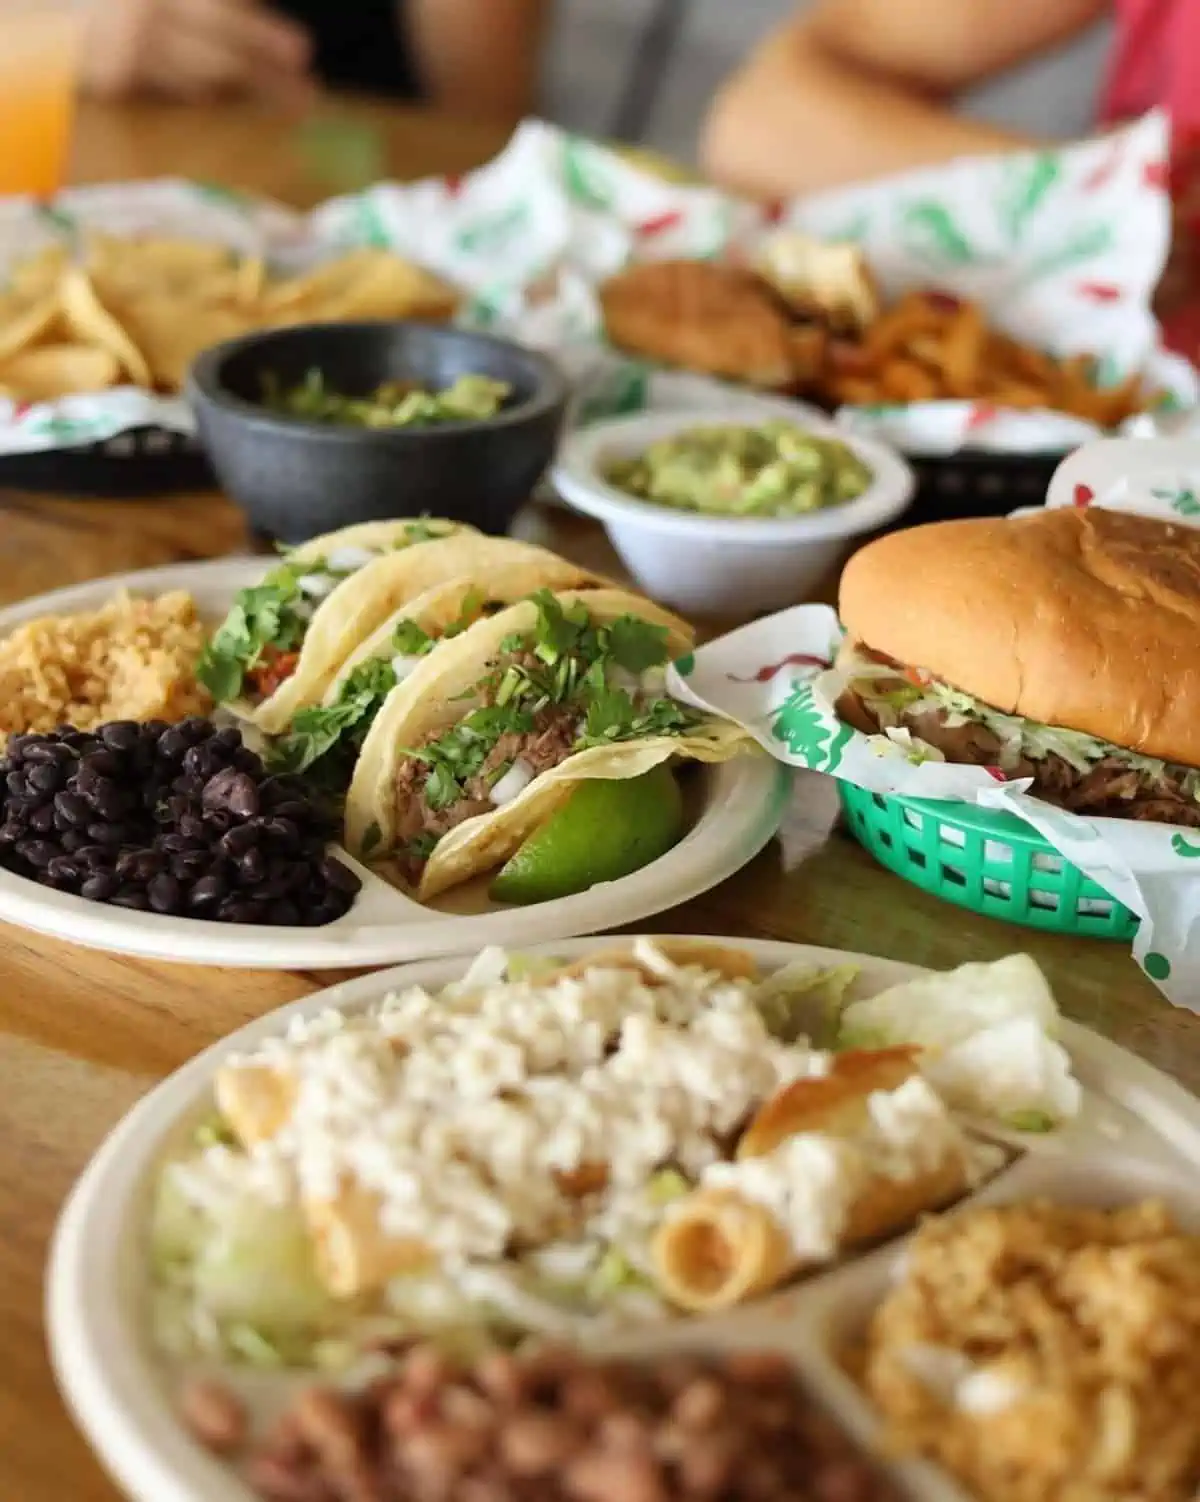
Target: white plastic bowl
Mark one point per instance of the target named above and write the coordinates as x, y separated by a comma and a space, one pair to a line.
724, 565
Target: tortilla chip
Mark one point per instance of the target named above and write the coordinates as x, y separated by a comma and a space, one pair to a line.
39, 275
22, 327
54, 370
171, 333
90, 322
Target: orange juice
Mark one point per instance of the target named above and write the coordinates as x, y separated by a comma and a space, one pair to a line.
39, 46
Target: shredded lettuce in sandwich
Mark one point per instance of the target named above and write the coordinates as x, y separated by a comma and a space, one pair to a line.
893, 695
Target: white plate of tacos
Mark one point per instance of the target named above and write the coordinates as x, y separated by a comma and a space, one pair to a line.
492, 724
639, 1145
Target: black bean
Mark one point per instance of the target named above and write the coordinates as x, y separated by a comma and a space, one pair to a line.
340, 877
42, 819
238, 840
121, 735
252, 869
73, 808
98, 764
63, 868
173, 743
140, 865
208, 891
99, 888
188, 865
192, 826
284, 913
281, 834
229, 739
111, 801
106, 834
45, 777
294, 809
90, 855
131, 897
16, 784
240, 910
38, 853
73, 840
203, 760
195, 729
246, 760
165, 894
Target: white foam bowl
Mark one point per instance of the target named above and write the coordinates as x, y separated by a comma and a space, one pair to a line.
724, 565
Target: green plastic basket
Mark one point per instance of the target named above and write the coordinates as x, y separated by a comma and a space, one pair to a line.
983, 859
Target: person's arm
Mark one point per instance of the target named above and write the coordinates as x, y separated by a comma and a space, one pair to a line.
478, 57
192, 49
859, 88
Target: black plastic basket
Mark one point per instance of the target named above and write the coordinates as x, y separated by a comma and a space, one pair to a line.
139, 463
977, 483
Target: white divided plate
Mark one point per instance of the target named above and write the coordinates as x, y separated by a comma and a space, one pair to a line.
739, 809
1138, 1134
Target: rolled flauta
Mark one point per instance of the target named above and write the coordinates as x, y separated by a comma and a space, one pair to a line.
722, 1244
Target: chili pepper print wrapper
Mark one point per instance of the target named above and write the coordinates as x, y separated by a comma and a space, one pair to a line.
776, 678
1060, 248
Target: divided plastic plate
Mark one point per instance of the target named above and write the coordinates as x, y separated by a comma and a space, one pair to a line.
1138, 1135
739, 809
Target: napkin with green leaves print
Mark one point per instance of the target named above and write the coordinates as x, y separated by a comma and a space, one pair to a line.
1062, 248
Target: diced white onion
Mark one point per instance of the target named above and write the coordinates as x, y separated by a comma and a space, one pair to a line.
622, 678
316, 586
654, 682
402, 666
304, 609
346, 560
515, 781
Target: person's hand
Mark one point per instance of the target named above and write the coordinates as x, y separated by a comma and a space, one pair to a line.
193, 49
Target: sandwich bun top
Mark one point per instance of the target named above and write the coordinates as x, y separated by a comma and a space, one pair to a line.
1084, 619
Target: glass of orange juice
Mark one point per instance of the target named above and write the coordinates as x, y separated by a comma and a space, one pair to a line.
39, 56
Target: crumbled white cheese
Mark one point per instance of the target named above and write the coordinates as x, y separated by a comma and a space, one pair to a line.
466, 1112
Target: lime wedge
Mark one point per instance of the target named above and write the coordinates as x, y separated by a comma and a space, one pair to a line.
605, 830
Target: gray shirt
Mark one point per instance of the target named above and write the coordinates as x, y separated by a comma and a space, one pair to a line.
595, 45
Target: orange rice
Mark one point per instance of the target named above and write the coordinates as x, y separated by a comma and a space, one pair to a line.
133, 659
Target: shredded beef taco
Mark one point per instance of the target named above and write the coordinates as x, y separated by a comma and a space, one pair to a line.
324, 739
486, 737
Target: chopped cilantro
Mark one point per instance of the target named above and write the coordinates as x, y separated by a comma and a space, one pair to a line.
421, 846
264, 616
637, 645
343, 725
411, 639
469, 611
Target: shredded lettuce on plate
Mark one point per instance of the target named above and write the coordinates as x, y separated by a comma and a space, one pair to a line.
989, 1029
805, 1001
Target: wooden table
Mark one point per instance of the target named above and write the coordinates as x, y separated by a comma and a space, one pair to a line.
83, 1035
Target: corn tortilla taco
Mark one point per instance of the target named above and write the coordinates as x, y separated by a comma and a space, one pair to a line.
324, 739
488, 735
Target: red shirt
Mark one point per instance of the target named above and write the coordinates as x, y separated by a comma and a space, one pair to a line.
1157, 64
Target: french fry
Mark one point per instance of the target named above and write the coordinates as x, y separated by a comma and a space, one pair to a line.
906, 381
962, 351
914, 314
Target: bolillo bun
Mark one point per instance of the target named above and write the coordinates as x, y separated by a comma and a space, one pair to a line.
1084, 619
